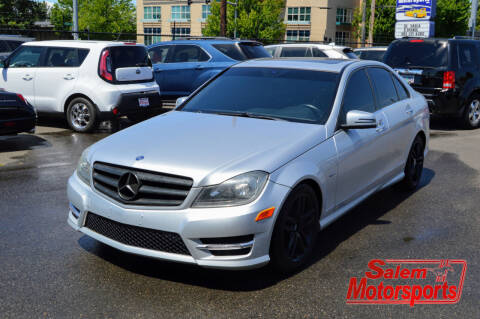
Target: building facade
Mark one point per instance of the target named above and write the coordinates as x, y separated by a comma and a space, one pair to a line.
305, 20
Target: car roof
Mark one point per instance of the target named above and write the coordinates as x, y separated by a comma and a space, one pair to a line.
79, 43
202, 41
372, 49
318, 45
314, 64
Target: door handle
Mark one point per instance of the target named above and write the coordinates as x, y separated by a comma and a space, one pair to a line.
409, 110
199, 67
380, 126
27, 77
69, 77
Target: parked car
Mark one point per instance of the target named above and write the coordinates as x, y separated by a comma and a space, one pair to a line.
182, 66
416, 13
445, 71
310, 50
84, 81
8, 43
16, 114
264, 156
371, 53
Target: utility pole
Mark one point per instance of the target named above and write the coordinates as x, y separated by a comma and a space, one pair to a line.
372, 23
473, 17
364, 17
223, 18
75, 19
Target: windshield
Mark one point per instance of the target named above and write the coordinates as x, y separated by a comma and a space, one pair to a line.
417, 53
272, 93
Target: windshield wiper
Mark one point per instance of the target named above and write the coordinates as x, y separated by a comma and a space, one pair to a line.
250, 115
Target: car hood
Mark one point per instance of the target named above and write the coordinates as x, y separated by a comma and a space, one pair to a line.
209, 148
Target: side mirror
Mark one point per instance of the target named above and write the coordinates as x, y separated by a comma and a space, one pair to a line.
180, 101
360, 120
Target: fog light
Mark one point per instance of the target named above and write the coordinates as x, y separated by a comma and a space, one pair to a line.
264, 214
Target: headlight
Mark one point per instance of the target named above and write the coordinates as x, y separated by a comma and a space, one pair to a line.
84, 168
239, 190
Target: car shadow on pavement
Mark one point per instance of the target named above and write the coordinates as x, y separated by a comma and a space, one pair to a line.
367, 213
22, 142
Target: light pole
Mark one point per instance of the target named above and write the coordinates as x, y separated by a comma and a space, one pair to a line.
235, 4
75, 19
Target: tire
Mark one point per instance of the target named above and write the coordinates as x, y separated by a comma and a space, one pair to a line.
296, 230
414, 165
82, 115
471, 115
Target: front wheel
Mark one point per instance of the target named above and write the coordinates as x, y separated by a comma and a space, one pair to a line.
81, 115
296, 230
414, 166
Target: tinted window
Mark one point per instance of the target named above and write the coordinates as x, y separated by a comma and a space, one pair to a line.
467, 55
295, 52
4, 47
402, 92
407, 54
129, 56
383, 86
231, 50
26, 57
358, 95
295, 95
318, 53
14, 44
188, 53
371, 55
254, 50
159, 54
65, 57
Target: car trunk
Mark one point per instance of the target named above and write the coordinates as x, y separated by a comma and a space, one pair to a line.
130, 64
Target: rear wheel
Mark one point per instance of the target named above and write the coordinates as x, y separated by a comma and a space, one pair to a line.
296, 230
81, 115
471, 116
414, 166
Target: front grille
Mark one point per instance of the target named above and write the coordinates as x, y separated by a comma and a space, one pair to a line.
156, 189
136, 236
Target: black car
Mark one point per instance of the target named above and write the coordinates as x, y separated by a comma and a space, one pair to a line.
445, 71
16, 114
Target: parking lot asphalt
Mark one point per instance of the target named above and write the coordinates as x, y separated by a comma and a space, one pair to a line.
47, 270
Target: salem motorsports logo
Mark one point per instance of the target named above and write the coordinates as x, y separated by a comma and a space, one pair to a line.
405, 281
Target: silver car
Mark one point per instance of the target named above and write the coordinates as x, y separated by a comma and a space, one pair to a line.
251, 166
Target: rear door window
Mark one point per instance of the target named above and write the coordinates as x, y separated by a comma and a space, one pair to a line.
467, 56
358, 95
189, 53
417, 53
401, 90
65, 57
318, 53
26, 57
159, 53
384, 88
296, 52
129, 56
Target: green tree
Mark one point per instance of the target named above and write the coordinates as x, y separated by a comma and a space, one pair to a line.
21, 13
96, 15
256, 20
384, 27
452, 17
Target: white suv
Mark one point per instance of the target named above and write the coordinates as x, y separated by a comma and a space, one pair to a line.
331, 50
86, 81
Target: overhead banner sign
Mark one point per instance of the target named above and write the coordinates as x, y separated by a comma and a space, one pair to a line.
414, 18
414, 29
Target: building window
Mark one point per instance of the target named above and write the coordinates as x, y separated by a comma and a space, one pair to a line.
152, 35
298, 35
342, 37
344, 16
298, 15
205, 11
152, 13
181, 32
180, 13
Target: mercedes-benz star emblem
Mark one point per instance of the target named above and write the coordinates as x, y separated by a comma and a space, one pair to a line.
128, 186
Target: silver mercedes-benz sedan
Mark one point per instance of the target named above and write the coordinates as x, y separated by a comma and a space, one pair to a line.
250, 167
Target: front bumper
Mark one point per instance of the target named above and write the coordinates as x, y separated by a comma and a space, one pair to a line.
191, 224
